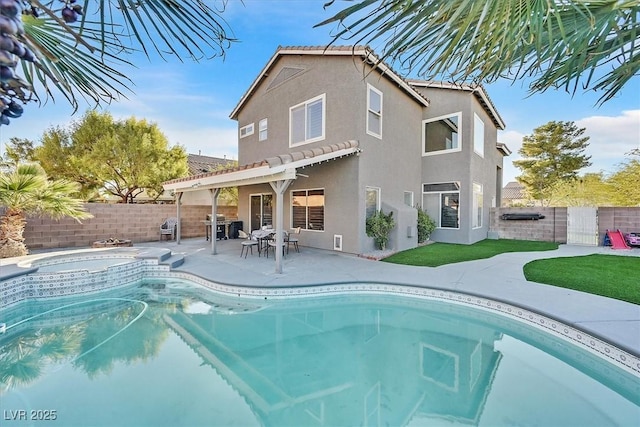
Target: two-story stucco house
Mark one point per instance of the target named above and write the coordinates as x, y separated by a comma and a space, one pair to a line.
329, 135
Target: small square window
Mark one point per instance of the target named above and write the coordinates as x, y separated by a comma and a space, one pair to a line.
246, 130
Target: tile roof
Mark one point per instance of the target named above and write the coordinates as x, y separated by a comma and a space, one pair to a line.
274, 161
200, 164
513, 191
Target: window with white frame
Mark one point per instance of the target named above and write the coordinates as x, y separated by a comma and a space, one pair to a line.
374, 114
442, 202
477, 205
372, 201
307, 209
262, 130
442, 134
307, 121
478, 135
408, 198
246, 130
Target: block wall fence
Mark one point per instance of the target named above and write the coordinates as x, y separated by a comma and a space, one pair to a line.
140, 223
553, 227
136, 222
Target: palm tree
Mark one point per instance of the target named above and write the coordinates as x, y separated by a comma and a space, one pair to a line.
81, 47
568, 43
27, 191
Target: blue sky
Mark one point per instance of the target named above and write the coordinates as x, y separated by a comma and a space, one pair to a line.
191, 102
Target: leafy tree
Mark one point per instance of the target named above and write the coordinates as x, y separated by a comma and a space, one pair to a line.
626, 183
552, 155
122, 158
27, 191
19, 150
556, 43
426, 225
591, 189
84, 48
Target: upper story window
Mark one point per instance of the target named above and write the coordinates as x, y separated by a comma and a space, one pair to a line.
307, 121
262, 130
478, 135
374, 113
246, 130
442, 134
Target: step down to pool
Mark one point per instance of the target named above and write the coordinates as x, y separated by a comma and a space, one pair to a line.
173, 261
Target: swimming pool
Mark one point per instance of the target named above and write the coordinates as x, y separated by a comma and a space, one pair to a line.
168, 352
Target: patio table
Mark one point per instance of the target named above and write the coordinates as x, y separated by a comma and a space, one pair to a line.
263, 236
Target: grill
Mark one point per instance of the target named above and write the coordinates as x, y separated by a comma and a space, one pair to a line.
221, 226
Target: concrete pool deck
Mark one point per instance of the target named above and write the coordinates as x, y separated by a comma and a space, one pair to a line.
500, 278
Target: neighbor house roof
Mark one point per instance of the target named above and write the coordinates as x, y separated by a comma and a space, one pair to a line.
362, 51
477, 90
270, 169
513, 191
200, 164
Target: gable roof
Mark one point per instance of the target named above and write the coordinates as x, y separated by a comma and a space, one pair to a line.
513, 191
270, 169
364, 52
477, 90
200, 164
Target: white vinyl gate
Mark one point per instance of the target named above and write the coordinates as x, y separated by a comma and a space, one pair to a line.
582, 226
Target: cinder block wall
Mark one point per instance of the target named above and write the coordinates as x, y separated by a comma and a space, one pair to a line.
626, 220
136, 222
552, 228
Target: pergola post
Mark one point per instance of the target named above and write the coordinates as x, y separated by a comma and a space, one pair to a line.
214, 213
178, 228
279, 187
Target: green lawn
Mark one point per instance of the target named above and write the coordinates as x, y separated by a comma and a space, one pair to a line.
607, 275
437, 254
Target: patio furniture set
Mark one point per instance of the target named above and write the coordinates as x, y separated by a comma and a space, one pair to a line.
264, 239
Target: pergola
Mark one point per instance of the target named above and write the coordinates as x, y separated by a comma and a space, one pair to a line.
278, 171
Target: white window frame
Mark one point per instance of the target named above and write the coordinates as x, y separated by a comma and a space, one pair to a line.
306, 105
376, 113
410, 193
324, 207
448, 150
262, 130
438, 217
246, 130
478, 200
378, 192
478, 135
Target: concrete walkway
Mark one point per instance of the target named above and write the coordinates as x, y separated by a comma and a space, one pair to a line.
500, 278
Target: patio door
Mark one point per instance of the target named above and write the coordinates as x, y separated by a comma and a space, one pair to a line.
261, 211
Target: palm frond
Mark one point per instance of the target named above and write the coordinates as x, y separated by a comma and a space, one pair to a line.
573, 44
90, 59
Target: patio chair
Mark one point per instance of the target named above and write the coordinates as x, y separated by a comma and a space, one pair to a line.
247, 244
293, 240
272, 243
168, 228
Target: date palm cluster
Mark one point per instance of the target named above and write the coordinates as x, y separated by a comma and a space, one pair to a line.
14, 47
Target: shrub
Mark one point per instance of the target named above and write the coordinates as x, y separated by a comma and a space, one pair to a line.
426, 225
379, 226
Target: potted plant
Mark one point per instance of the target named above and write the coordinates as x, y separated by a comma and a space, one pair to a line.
379, 226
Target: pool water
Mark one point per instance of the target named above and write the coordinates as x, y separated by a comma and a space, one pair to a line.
168, 353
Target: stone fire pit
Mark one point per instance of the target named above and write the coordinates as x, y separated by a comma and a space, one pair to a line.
112, 243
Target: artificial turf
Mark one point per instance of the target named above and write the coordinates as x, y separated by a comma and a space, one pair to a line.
611, 276
437, 254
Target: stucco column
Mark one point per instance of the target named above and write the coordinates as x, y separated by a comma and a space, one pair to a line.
279, 187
